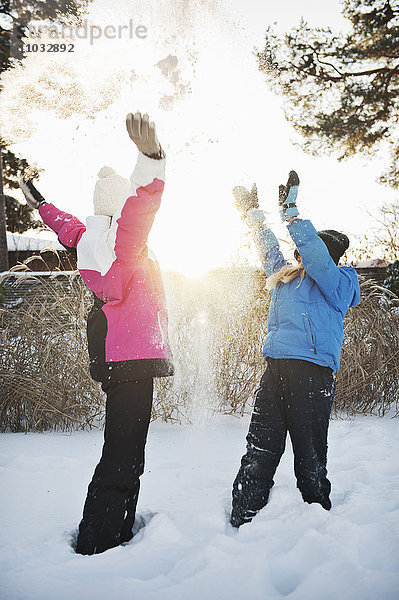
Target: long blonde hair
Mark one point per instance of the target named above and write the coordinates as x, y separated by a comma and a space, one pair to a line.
286, 274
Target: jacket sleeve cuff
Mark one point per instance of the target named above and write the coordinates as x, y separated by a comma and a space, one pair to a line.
146, 170
254, 216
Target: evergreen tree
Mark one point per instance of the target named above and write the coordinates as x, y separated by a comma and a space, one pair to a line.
392, 280
15, 18
17, 15
342, 91
19, 217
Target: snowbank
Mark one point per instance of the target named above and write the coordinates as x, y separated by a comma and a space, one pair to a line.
187, 549
372, 263
34, 240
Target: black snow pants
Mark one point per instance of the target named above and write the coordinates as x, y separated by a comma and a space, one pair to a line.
294, 396
110, 506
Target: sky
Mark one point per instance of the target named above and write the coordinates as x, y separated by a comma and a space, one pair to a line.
196, 75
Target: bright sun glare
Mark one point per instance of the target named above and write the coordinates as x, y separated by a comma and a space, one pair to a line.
196, 76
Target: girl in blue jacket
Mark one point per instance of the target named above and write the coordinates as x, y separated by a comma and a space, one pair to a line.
302, 350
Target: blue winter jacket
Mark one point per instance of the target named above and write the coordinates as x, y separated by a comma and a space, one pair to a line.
306, 321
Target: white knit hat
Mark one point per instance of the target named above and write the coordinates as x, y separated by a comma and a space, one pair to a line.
110, 191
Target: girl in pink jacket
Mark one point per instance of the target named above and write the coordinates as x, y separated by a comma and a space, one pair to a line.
126, 327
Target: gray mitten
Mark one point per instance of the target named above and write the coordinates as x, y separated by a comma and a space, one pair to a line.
254, 216
245, 200
143, 134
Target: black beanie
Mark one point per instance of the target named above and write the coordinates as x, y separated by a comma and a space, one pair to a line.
336, 242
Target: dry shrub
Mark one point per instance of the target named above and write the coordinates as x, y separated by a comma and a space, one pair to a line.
368, 379
239, 337
45, 382
44, 378
217, 327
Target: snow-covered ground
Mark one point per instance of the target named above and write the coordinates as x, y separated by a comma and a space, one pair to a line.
187, 550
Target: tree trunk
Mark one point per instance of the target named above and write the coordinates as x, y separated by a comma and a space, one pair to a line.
3, 234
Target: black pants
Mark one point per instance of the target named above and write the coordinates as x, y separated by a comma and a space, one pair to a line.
110, 506
294, 396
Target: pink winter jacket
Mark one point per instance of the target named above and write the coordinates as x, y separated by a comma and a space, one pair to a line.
128, 324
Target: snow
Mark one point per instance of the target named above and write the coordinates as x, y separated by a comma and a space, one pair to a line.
52, 274
187, 550
373, 263
33, 239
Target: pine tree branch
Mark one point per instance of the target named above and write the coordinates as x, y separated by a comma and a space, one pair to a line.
324, 76
330, 65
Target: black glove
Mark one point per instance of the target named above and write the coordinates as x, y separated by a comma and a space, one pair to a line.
287, 197
244, 200
32, 196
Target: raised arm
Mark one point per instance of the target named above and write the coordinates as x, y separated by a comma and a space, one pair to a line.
132, 223
314, 254
266, 242
68, 228
339, 286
